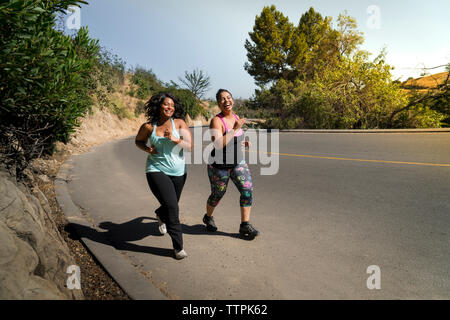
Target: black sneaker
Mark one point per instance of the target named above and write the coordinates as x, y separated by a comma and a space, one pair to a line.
248, 231
209, 221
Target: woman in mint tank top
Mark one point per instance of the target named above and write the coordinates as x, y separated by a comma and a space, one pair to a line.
168, 135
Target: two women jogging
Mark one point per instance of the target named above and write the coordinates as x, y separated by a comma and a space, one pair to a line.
168, 135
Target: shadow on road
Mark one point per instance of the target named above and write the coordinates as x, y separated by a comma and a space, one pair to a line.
200, 229
120, 235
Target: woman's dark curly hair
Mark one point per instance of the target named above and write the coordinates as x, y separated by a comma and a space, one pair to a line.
153, 107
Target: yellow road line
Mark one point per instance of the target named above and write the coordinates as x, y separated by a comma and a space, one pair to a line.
362, 160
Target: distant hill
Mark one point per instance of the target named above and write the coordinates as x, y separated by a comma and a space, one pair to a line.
425, 83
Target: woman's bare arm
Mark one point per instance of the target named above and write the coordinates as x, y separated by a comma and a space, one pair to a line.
142, 137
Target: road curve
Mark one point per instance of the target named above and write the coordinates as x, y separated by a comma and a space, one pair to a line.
325, 218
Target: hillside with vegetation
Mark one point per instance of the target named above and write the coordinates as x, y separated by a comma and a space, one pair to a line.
52, 83
426, 83
315, 75
428, 92
60, 94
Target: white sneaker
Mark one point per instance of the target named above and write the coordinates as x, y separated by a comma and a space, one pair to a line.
161, 225
180, 254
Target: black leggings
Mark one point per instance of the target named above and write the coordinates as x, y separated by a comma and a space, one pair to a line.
167, 189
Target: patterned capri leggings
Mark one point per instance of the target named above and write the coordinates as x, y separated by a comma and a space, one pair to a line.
241, 177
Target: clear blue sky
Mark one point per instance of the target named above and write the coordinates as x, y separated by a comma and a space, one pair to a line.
171, 36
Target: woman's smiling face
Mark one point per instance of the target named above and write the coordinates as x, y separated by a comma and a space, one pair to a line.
226, 101
167, 108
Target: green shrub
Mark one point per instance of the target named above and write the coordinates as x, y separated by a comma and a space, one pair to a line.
116, 107
146, 83
107, 75
419, 117
45, 79
191, 103
140, 108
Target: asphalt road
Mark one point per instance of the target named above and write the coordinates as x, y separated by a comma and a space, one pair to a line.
325, 217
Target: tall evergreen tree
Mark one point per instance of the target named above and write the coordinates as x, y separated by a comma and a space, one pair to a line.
270, 47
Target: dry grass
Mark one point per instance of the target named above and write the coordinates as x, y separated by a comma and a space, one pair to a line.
426, 83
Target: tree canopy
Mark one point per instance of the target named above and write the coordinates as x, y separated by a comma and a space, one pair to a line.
314, 75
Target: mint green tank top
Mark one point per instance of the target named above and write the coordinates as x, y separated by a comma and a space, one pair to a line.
170, 157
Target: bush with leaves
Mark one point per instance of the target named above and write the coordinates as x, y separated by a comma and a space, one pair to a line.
191, 103
45, 79
430, 105
355, 95
107, 76
145, 83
